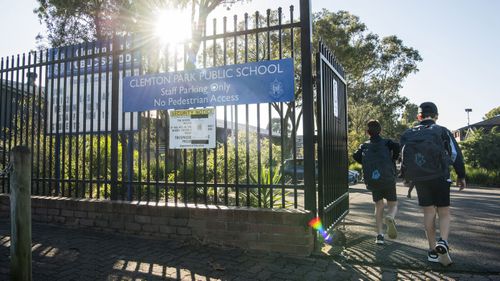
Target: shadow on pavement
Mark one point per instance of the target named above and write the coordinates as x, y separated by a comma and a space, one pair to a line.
73, 254
473, 238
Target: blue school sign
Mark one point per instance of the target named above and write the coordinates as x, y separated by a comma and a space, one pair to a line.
257, 82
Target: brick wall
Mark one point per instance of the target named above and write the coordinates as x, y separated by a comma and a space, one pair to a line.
274, 230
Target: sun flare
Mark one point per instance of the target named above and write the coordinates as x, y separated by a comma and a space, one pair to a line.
172, 26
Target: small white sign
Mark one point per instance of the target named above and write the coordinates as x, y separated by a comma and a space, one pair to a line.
192, 128
335, 99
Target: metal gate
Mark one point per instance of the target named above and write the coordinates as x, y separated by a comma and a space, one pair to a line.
331, 106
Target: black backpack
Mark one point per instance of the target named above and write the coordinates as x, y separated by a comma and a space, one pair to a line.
424, 156
378, 167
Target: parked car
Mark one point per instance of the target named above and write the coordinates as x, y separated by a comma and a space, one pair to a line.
353, 177
289, 166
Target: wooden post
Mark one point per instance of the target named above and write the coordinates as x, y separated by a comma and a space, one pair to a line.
20, 214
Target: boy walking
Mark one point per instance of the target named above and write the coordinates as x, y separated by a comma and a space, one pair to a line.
428, 150
378, 156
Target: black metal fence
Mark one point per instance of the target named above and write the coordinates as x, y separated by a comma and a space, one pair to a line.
65, 104
85, 146
333, 193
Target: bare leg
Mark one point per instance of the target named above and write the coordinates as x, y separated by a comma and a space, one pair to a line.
444, 222
430, 225
392, 208
389, 219
379, 214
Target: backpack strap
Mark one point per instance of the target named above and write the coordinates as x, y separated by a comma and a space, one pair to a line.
419, 127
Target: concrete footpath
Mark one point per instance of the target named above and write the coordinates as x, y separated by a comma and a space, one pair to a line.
69, 254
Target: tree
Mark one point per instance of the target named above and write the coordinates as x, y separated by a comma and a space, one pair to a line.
492, 113
376, 69
482, 149
73, 21
409, 117
276, 126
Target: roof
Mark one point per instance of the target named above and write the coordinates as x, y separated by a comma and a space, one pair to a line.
242, 128
19, 86
495, 121
488, 123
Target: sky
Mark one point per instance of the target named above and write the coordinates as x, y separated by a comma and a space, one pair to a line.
457, 39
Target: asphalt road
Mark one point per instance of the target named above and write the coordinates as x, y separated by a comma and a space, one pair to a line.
474, 239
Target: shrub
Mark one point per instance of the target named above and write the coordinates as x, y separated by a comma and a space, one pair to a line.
356, 167
479, 176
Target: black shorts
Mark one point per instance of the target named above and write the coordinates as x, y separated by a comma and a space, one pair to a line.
389, 193
433, 193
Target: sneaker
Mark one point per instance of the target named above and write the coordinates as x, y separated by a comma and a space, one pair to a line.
443, 252
391, 227
432, 256
380, 239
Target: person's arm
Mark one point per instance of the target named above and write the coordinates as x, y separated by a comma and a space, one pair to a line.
358, 155
457, 159
395, 148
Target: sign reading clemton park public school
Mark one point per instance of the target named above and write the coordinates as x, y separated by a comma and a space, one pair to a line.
256, 82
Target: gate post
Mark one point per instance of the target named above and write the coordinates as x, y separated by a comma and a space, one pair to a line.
115, 80
20, 214
307, 104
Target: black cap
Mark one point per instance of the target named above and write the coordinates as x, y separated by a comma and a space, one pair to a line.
428, 108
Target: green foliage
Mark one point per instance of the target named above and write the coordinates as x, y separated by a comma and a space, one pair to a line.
376, 69
492, 113
228, 164
269, 153
357, 167
482, 149
479, 176
74, 21
409, 117
265, 196
276, 125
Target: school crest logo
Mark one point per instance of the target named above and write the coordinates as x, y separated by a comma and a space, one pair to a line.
419, 159
276, 89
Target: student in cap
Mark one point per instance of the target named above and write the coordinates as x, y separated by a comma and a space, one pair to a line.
427, 152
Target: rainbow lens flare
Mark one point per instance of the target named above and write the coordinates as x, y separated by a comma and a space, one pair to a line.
318, 226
